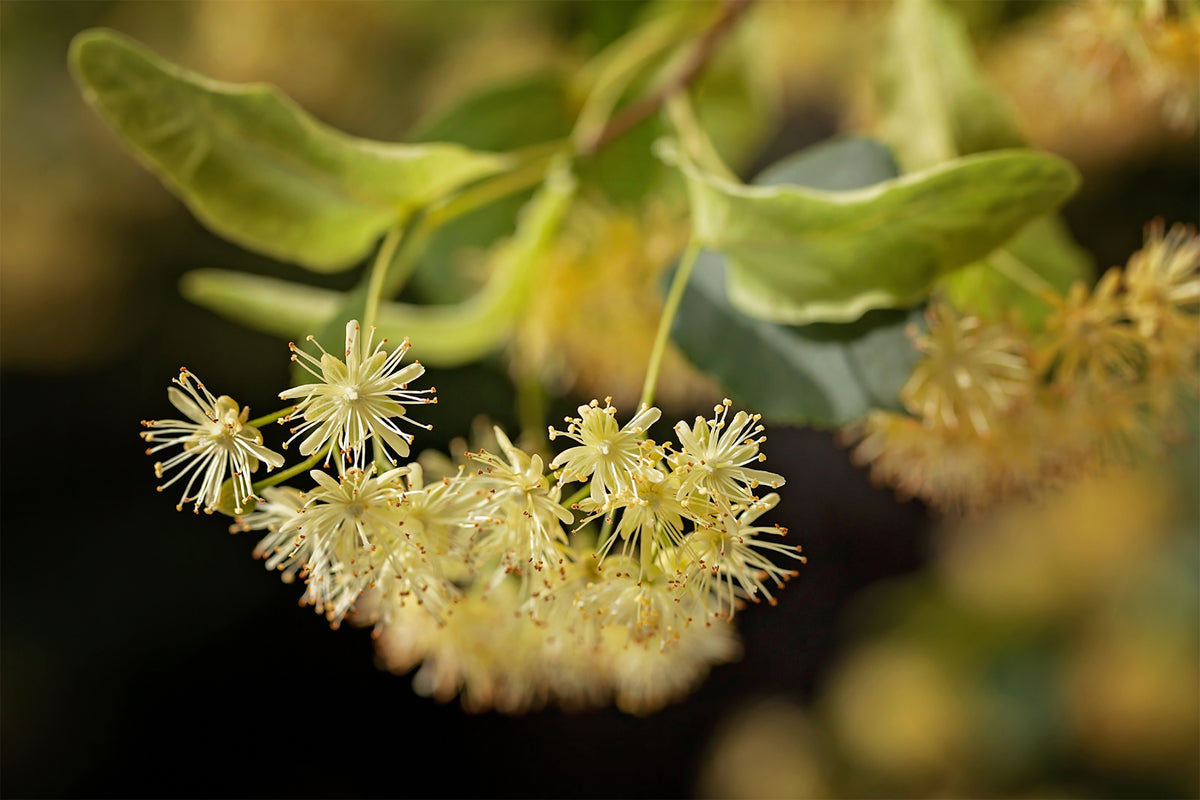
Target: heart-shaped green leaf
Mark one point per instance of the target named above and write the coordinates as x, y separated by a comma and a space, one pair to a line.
798, 255
820, 374
254, 167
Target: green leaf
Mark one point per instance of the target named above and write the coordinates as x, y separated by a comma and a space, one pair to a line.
442, 336
518, 113
510, 116
799, 255
935, 102
837, 164
1014, 278
821, 374
254, 167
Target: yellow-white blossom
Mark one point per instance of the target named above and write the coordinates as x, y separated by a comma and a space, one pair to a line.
216, 442
356, 400
613, 458
715, 453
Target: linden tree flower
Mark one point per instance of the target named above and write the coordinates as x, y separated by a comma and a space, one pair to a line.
645, 678
346, 530
1162, 278
971, 370
356, 399
639, 600
733, 555
614, 458
1162, 289
656, 513
714, 457
521, 522
281, 548
1089, 338
215, 440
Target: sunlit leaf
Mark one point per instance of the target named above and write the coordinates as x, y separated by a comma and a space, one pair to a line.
1013, 279
254, 167
798, 255
821, 374
446, 335
936, 104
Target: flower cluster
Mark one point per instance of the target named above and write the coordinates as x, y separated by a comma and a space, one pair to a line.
1100, 383
607, 572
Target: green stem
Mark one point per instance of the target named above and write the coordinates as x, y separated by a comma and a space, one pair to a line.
1016, 271
269, 418
529, 174
379, 269
583, 492
589, 136
531, 411
682, 274
276, 478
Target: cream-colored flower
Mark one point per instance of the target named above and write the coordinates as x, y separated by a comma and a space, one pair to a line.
639, 600
1090, 338
519, 525
656, 513
215, 439
645, 679
485, 652
972, 371
358, 399
280, 547
1162, 290
712, 462
613, 457
347, 531
730, 562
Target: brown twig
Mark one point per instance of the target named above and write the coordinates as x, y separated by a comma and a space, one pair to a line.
731, 11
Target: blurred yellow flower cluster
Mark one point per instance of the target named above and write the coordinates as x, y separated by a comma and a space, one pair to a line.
996, 410
1051, 651
591, 322
1099, 80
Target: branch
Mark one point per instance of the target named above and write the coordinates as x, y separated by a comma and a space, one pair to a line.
706, 46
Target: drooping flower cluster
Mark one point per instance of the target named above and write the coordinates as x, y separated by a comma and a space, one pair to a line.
1100, 383
504, 592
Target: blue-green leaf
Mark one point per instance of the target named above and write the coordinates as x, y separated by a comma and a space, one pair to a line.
820, 374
